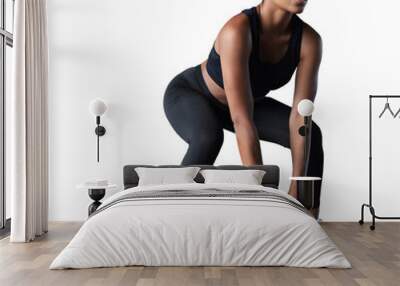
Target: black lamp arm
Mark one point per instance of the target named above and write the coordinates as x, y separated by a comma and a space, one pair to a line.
99, 131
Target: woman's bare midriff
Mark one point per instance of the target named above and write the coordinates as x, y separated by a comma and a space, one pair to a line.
215, 89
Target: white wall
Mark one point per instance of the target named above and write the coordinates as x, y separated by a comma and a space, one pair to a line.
127, 51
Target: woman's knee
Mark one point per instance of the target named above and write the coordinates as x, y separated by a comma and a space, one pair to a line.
203, 148
206, 140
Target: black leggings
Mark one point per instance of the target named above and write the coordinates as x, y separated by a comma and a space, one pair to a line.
199, 119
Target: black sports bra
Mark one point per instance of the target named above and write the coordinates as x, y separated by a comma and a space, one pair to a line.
264, 77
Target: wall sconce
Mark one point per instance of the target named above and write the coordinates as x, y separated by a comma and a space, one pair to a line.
306, 185
97, 107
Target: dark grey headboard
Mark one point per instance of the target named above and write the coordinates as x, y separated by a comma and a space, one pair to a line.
271, 177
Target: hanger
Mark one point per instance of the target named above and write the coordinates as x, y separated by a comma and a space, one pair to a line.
387, 107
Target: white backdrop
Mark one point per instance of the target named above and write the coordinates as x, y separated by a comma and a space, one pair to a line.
126, 52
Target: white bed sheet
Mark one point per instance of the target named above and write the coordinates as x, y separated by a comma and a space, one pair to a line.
202, 232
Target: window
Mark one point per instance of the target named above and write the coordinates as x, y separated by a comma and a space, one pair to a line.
6, 44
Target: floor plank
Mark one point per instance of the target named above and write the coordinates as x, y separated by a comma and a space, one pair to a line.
375, 256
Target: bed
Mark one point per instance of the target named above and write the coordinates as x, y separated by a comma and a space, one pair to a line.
198, 224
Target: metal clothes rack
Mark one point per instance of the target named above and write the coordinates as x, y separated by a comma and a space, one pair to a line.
370, 204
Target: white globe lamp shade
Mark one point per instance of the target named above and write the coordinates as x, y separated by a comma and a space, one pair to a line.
97, 107
305, 107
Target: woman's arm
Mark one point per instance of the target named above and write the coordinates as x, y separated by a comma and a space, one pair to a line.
234, 44
306, 88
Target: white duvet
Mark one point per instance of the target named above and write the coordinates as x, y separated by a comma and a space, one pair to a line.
200, 231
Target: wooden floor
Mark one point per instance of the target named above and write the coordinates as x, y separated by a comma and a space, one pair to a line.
375, 257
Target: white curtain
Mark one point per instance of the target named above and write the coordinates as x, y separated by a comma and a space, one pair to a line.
28, 123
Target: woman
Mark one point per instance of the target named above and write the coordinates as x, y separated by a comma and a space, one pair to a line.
255, 52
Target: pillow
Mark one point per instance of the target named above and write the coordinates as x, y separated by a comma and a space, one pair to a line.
248, 177
163, 176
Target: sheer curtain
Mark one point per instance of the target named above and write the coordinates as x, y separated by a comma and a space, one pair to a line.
28, 123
